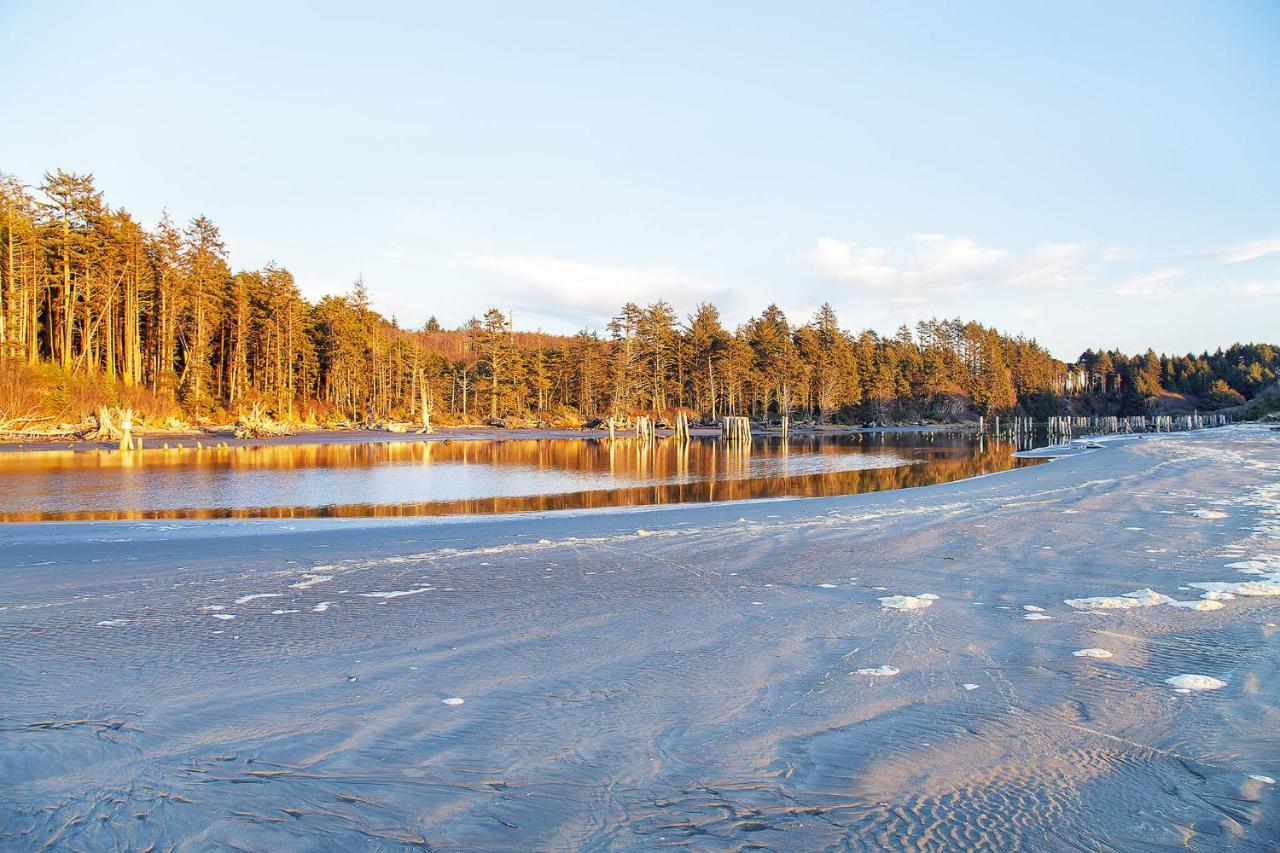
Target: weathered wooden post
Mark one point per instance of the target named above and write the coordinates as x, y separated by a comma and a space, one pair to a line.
682, 426
126, 429
737, 430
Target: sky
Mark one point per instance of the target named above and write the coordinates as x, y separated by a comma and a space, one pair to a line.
1089, 174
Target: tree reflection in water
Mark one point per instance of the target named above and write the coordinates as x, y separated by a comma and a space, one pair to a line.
586, 473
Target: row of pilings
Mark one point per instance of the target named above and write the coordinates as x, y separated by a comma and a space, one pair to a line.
1068, 426
733, 429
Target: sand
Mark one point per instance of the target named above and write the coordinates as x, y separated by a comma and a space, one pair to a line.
608, 680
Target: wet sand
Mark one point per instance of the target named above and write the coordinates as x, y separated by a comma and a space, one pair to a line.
681, 676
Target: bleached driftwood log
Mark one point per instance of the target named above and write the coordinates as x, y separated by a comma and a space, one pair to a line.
258, 424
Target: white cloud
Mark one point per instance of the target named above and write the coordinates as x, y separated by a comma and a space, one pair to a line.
943, 259
1249, 251
557, 285
1257, 288
1047, 264
844, 261
1147, 284
931, 261
1115, 254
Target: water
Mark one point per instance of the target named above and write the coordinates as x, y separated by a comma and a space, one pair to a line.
404, 478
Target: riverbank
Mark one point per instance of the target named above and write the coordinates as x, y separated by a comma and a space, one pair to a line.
896, 669
223, 436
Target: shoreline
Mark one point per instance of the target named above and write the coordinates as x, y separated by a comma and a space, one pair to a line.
217, 437
640, 677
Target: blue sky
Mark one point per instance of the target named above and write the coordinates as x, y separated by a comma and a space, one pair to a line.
1089, 174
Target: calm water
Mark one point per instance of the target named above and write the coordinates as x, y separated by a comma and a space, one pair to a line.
475, 477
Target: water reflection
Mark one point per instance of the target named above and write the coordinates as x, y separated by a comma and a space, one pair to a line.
404, 478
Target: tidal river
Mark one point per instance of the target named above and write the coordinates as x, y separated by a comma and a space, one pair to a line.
442, 477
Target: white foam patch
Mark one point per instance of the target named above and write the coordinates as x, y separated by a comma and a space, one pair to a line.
245, 599
309, 581
1207, 513
827, 586
1092, 653
282, 612
322, 606
1256, 565
397, 593
453, 700
1249, 588
969, 686
1201, 604
1138, 598
907, 602
1031, 608
880, 671
113, 623
1036, 617
223, 616
1258, 777
1195, 682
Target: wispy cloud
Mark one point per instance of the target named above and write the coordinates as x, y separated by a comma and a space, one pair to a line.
1147, 284
929, 262
555, 283
1048, 264
1116, 254
939, 262
845, 261
1249, 251
1257, 288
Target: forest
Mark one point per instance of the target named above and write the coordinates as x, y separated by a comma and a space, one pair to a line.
96, 309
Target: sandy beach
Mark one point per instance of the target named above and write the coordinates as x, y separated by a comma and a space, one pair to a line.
981, 664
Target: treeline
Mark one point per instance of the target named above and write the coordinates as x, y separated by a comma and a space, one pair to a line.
88, 293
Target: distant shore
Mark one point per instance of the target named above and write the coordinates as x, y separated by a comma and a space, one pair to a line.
223, 435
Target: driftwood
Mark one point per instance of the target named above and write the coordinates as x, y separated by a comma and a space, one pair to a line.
12, 432
113, 425
23, 428
258, 424
104, 428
